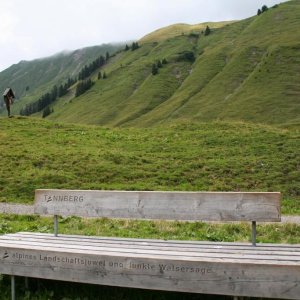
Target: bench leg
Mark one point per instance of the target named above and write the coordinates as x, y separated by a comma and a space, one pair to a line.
13, 288
253, 233
55, 225
26, 283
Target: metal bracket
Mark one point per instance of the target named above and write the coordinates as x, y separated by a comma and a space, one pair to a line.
55, 225
253, 233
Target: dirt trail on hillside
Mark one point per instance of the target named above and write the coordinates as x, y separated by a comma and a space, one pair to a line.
23, 209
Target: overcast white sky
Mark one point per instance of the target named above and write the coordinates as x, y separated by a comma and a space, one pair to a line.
32, 29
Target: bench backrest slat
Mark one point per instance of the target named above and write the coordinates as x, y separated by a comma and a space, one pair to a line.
197, 206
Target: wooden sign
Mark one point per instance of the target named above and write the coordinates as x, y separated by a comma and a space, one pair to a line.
206, 206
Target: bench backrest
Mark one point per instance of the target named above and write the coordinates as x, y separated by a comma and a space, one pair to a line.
197, 206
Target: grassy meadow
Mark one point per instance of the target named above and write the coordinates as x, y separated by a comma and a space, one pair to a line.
219, 156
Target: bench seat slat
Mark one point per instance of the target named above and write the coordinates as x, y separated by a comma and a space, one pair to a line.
63, 241
241, 254
168, 242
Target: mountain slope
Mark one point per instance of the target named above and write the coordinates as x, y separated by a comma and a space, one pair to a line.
130, 89
246, 70
171, 31
31, 79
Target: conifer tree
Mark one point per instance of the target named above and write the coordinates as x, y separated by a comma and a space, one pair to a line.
47, 111
207, 30
134, 46
83, 86
264, 8
154, 69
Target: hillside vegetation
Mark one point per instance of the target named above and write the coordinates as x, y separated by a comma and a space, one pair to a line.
31, 79
217, 156
245, 70
171, 31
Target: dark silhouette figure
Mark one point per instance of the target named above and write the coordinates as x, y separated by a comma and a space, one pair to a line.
8, 96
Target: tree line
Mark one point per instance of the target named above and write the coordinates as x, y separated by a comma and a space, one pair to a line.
262, 10
83, 86
156, 66
40, 104
134, 46
87, 70
265, 8
45, 100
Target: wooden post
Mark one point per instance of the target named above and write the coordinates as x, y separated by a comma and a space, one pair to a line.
253, 233
13, 288
55, 225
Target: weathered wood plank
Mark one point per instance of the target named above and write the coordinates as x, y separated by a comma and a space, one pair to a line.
134, 243
163, 245
292, 254
62, 244
186, 257
237, 256
209, 206
210, 277
173, 242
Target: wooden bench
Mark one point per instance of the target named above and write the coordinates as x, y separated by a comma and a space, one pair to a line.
236, 269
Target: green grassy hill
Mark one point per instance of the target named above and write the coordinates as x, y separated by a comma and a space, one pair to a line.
171, 31
217, 156
31, 79
246, 70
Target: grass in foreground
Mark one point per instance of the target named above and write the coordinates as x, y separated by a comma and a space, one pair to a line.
168, 230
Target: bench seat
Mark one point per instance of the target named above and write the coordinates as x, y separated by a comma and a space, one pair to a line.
267, 270
236, 269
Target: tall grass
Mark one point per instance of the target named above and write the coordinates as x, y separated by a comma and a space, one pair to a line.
218, 156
